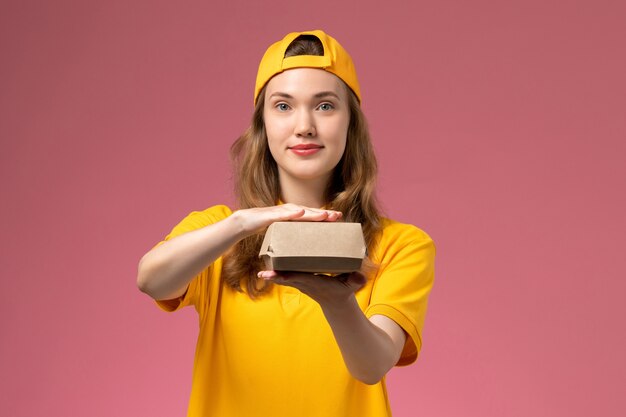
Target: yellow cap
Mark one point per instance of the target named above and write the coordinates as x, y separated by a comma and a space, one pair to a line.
335, 60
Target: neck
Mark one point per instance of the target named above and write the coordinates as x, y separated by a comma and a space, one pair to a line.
308, 193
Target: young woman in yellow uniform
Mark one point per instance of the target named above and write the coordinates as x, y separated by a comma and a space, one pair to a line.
296, 344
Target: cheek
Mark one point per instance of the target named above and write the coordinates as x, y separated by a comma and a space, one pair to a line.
275, 129
274, 143
274, 138
341, 134
344, 138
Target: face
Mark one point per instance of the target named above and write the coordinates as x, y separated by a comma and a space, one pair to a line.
306, 116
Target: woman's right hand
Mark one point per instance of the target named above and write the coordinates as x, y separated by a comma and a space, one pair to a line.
165, 271
256, 219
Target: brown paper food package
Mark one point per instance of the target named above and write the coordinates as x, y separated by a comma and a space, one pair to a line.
318, 247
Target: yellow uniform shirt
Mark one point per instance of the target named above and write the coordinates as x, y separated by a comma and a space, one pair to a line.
276, 356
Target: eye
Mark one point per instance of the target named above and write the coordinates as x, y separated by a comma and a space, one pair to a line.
326, 107
282, 106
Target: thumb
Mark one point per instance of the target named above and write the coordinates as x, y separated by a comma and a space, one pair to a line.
355, 280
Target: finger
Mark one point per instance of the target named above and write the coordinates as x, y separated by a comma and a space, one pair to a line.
266, 275
294, 279
333, 215
354, 280
291, 216
325, 215
277, 278
290, 212
314, 215
358, 279
311, 214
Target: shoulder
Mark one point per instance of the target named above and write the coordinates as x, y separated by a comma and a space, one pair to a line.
210, 215
396, 236
405, 233
198, 219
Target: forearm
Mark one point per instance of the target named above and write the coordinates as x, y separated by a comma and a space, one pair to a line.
165, 271
368, 351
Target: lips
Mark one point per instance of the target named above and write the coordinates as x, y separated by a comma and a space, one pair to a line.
305, 149
306, 146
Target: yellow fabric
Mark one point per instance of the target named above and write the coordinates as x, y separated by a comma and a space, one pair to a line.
276, 356
335, 60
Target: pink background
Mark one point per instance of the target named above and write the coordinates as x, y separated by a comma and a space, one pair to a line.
500, 128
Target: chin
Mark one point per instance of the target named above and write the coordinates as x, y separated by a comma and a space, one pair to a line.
309, 174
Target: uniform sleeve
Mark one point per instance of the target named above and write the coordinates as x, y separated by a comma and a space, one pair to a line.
197, 291
403, 284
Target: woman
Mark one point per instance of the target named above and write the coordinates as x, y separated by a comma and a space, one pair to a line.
282, 344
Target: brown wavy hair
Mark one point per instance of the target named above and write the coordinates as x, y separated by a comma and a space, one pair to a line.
351, 189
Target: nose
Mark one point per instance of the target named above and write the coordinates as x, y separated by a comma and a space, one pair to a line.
305, 124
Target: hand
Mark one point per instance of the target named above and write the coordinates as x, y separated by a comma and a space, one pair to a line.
328, 291
369, 347
256, 219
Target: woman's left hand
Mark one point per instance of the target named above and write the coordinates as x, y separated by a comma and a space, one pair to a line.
328, 291
370, 347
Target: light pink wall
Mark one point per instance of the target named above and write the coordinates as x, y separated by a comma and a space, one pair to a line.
500, 128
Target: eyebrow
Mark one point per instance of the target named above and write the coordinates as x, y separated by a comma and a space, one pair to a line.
321, 94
